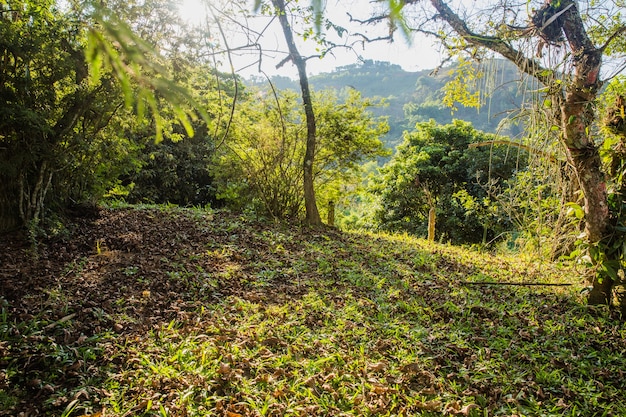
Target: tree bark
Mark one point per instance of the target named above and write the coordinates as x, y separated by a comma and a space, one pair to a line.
310, 204
576, 113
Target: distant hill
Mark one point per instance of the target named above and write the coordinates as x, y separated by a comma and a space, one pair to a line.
413, 97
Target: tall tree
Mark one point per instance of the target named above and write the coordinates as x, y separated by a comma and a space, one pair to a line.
312, 212
261, 168
44, 94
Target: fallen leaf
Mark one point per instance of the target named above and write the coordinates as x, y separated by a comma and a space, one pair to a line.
433, 405
224, 369
455, 408
377, 367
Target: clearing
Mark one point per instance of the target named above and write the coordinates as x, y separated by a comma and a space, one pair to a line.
174, 312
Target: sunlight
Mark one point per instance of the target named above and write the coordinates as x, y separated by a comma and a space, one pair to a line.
192, 11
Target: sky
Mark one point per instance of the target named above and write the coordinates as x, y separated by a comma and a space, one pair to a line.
418, 55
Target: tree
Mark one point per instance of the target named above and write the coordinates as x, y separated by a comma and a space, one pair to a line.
44, 95
613, 152
312, 212
260, 166
435, 167
72, 77
561, 46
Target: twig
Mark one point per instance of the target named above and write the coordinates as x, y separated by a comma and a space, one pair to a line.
60, 321
519, 284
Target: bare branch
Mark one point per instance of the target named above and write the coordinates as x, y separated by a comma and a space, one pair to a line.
371, 21
234, 76
525, 64
388, 38
283, 62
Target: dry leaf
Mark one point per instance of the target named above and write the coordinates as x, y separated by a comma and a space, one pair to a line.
467, 409
433, 405
378, 367
455, 408
224, 369
410, 368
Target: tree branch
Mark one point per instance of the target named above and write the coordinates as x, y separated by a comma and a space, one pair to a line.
495, 44
612, 37
371, 21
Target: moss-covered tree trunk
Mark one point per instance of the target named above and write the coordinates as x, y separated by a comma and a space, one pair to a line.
577, 116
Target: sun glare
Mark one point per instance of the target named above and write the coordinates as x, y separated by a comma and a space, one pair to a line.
192, 11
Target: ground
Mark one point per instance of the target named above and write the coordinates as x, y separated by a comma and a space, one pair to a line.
165, 311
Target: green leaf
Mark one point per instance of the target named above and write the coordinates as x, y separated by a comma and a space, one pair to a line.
575, 210
184, 120
609, 270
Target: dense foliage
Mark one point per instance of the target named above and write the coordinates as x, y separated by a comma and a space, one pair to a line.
73, 129
52, 116
435, 168
261, 166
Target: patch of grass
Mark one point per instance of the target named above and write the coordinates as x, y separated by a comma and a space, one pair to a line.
245, 319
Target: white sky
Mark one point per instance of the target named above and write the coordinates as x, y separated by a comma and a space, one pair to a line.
421, 54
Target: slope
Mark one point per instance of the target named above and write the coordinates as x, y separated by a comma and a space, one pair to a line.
165, 311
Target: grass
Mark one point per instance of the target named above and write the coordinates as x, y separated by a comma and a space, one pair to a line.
273, 320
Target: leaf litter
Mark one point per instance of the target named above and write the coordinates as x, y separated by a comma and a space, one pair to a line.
163, 311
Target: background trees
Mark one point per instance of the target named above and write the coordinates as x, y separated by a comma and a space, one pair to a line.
51, 111
261, 166
435, 167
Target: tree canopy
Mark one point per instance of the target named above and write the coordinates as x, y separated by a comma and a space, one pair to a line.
435, 167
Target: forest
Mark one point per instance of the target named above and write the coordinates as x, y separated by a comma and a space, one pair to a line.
181, 238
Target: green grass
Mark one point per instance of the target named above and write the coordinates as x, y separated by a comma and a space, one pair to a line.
275, 320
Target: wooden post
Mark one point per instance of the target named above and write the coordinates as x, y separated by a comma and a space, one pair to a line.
331, 213
431, 224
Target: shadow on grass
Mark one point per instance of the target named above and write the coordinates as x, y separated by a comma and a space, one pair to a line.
116, 312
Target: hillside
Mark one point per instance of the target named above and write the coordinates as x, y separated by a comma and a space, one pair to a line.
172, 312
417, 96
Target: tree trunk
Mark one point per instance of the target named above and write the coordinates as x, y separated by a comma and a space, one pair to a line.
312, 212
331, 214
577, 116
9, 214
